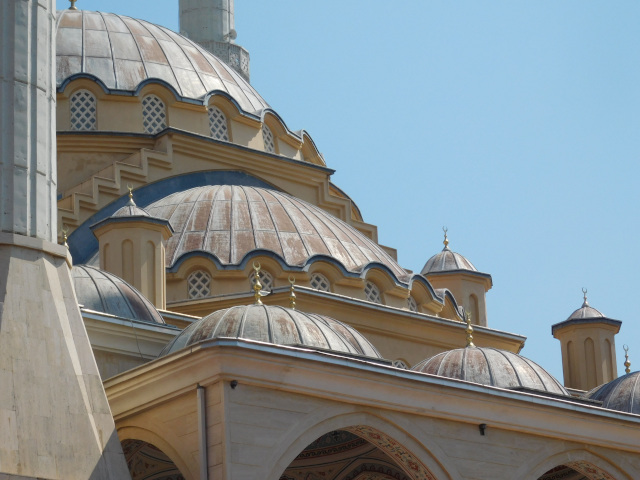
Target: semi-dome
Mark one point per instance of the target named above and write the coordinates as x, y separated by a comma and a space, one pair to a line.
277, 325
104, 292
229, 221
123, 52
447, 261
493, 367
622, 394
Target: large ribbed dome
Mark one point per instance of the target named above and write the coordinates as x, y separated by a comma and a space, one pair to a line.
104, 292
123, 52
622, 394
278, 325
229, 221
490, 366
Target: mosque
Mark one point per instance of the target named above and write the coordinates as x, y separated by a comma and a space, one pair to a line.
242, 316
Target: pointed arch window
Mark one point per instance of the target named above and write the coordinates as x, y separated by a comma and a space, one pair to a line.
154, 114
218, 124
83, 109
269, 139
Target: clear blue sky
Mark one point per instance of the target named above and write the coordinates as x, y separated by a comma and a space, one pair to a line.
515, 124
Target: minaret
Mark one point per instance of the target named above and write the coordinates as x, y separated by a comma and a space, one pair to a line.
588, 345
210, 23
55, 421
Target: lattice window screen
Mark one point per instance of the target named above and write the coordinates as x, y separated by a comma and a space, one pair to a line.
372, 292
269, 141
266, 280
400, 364
412, 304
154, 115
218, 124
320, 282
199, 284
83, 109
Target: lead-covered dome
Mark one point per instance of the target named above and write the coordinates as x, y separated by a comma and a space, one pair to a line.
493, 367
104, 292
229, 221
621, 394
447, 261
278, 325
123, 52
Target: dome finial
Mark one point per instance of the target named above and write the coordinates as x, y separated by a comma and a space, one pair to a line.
292, 293
627, 363
65, 231
73, 5
584, 292
257, 286
469, 329
446, 240
130, 188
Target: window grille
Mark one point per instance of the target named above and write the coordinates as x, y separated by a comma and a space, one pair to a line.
266, 280
400, 364
269, 141
320, 282
154, 115
218, 124
411, 303
199, 284
372, 292
83, 110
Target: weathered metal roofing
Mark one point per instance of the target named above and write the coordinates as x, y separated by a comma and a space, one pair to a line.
104, 292
446, 261
490, 366
123, 52
622, 394
586, 311
230, 221
277, 325
130, 210
586, 315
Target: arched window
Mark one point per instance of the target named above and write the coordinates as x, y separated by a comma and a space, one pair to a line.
320, 282
83, 108
154, 115
266, 280
372, 292
218, 124
199, 283
400, 364
269, 140
412, 304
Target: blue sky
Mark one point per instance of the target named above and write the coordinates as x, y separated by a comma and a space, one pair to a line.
515, 124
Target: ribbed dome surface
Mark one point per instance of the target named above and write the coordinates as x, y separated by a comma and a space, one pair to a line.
622, 394
278, 325
586, 311
130, 210
123, 52
490, 366
229, 221
103, 292
446, 261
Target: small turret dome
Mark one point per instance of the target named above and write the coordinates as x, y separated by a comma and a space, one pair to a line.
447, 261
130, 210
277, 325
493, 367
621, 394
585, 311
104, 292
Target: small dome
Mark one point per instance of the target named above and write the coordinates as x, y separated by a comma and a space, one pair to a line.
130, 210
447, 261
490, 366
278, 325
621, 394
585, 311
104, 292
230, 221
123, 52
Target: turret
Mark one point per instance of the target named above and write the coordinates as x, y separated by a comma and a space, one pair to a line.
588, 347
454, 272
210, 23
132, 246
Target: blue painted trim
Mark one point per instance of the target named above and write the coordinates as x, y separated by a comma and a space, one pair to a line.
83, 244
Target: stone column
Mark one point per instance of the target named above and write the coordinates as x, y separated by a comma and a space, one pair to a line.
55, 421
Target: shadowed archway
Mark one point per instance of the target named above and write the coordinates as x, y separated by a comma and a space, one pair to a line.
576, 470
147, 462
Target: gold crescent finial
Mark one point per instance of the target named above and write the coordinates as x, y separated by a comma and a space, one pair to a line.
292, 293
130, 188
446, 240
73, 5
584, 294
469, 329
257, 286
65, 231
627, 363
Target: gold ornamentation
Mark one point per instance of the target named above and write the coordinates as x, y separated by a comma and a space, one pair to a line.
292, 293
257, 287
469, 329
446, 240
73, 5
65, 231
627, 363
